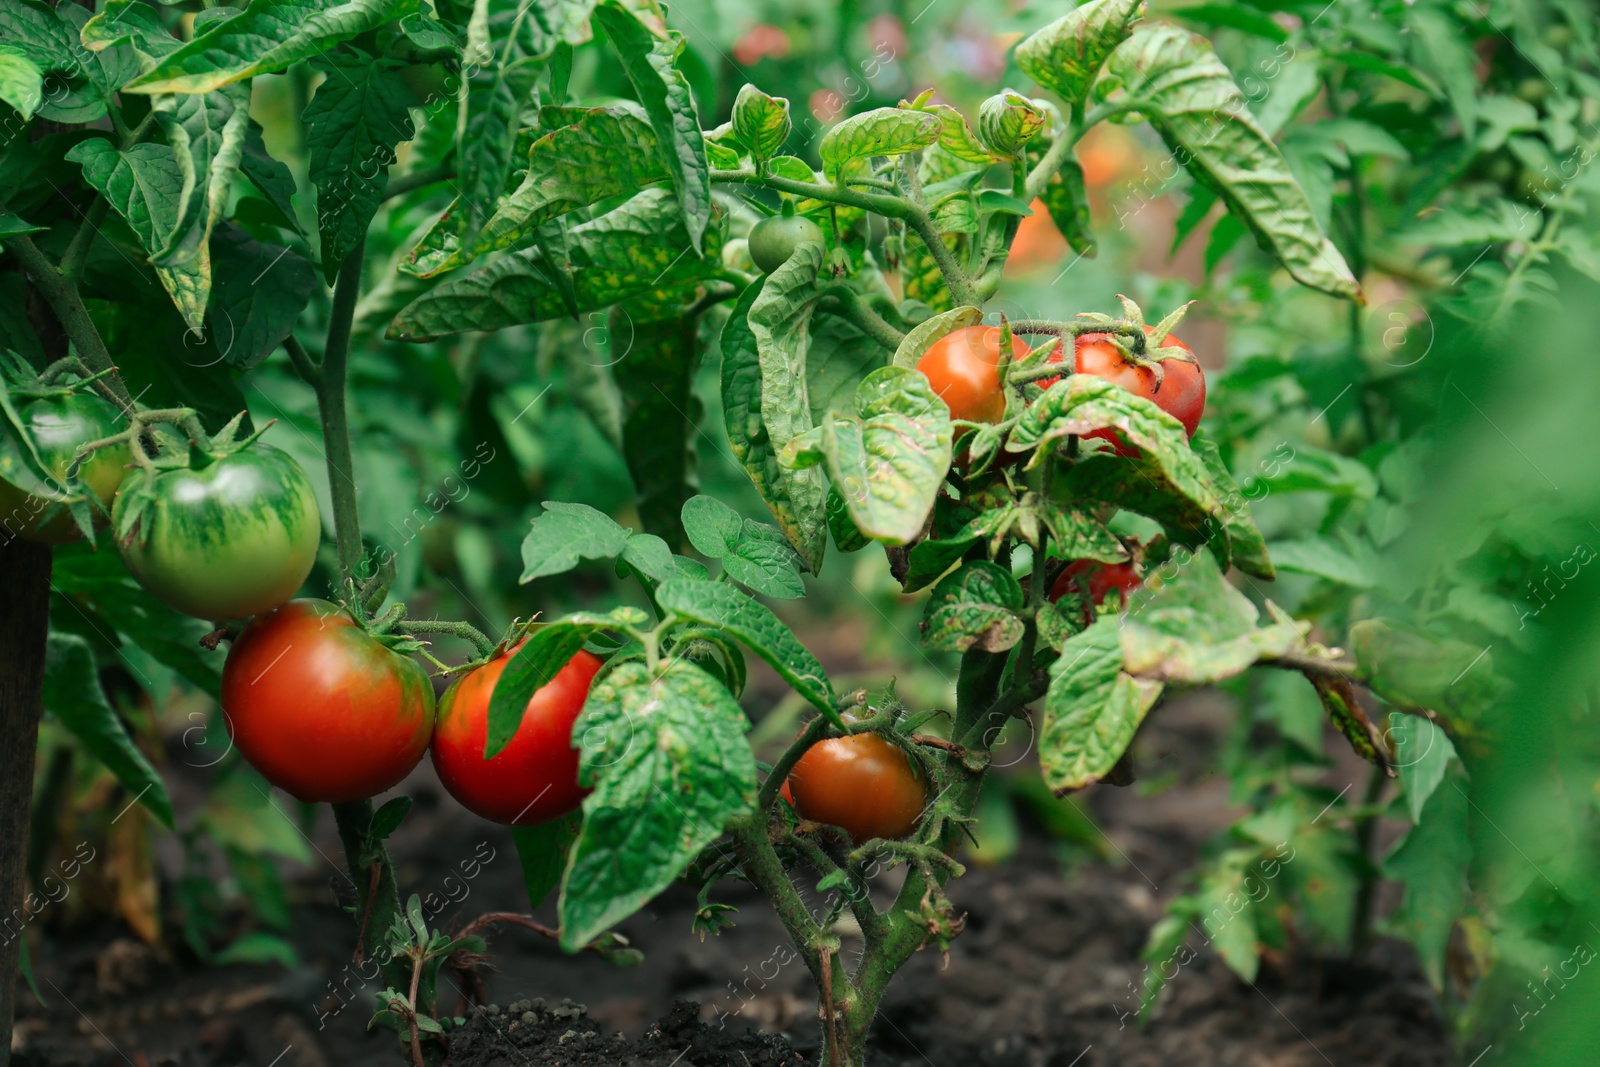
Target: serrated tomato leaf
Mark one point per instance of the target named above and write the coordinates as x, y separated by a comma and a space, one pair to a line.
665, 751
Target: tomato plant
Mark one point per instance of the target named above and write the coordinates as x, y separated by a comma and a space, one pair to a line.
323, 709
535, 777
500, 252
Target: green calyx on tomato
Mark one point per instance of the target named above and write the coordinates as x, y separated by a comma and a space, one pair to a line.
57, 426
772, 241
534, 779
862, 783
322, 708
226, 536
963, 367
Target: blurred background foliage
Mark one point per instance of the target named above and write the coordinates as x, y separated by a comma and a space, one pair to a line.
1423, 468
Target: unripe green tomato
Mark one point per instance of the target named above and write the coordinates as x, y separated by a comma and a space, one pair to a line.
60, 426
1533, 90
773, 241
234, 538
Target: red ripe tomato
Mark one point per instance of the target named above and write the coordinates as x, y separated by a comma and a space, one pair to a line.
1096, 579
535, 777
862, 784
963, 368
321, 708
1181, 392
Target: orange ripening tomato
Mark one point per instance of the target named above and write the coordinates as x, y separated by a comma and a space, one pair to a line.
963, 367
321, 708
535, 777
1038, 241
862, 784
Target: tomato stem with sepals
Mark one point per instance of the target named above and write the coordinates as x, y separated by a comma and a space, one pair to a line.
466, 631
888, 205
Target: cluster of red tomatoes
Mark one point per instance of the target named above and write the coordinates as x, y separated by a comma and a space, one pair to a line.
963, 367
327, 711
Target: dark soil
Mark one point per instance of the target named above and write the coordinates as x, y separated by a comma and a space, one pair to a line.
1042, 977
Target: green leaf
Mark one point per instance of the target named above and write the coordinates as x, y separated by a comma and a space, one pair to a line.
1091, 710
543, 850
713, 528
720, 605
1432, 864
1174, 78
889, 462
207, 133
257, 294
258, 947
21, 83
922, 336
760, 122
43, 37
13, 226
765, 563
1080, 404
974, 607
1243, 19
99, 583
637, 248
931, 557
846, 536
566, 533
885, 131
1228, 914
1185, 508
1067, 200
1246, 548
779, 320
957, 138
666, 753
1422, 754
748, 437
268, 175
359, 114
1413, 669
134, 21
507, 45
659, 420
145, 186
1324, 558
1065, 56
650, 62
1076, 534
540, 659
1192, 626
72, 693
264, 38
1440, 47
603, 153
387, 819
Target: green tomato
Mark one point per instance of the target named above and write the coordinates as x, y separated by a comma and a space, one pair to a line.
230, 539
773, 241
60, 426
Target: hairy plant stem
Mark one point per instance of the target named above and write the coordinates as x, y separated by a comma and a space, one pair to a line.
1366, 830
889, 205
847, 304
335, 419
466, 631
61, 294
382, 906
